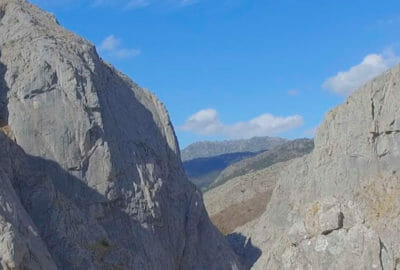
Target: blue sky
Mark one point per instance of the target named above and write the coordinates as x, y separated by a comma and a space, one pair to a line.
234, 68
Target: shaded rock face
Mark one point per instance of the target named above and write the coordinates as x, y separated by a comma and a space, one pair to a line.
20, 243
339, 207
89, 162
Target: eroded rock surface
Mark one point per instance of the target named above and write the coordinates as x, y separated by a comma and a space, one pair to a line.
339, 207
90, 167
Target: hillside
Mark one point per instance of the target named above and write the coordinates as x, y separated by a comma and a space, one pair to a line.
211, 149
203, 171
90, 169
213, 157
284, 152
245, 188
241, 199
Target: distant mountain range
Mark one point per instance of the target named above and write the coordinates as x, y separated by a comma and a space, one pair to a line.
216, 162
204, 171
284, 152
211, 149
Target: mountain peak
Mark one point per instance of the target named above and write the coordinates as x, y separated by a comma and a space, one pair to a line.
93, 165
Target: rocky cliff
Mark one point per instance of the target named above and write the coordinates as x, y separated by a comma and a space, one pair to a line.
339, 207
90, 168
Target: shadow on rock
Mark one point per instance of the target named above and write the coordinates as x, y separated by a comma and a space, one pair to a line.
243, 247
3, 94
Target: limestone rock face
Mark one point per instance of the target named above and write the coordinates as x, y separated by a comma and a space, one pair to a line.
90, 167
20, 243
339, 207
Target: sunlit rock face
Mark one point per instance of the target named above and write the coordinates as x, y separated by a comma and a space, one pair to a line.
339, 207
90, 170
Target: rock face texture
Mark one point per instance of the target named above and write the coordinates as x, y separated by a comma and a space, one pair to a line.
339, 207
90, 169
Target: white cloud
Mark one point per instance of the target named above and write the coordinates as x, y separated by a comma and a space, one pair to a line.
111, 46
345, 82
110, 43
293, 92
187, 2
207, 122
135, 4
389, 21
121, 4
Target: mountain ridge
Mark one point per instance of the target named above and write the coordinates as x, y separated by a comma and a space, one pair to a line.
205, 149
281, 153
93, 160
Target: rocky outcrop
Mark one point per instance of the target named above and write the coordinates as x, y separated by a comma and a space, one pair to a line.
339, 207
90, 167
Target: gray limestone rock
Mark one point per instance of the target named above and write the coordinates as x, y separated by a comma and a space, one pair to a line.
339, 207
90, 162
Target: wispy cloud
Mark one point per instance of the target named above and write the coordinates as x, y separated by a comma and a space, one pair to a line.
133, 4
136, 4
389, 21
293, 92
345, 82
111, 47
120, 4
187, 2
207, 122
53, 4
